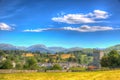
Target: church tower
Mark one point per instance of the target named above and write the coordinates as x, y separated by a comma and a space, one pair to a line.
97, 56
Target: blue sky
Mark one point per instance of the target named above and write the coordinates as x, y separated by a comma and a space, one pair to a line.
64, 23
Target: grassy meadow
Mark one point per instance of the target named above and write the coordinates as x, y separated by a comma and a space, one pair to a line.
98, 75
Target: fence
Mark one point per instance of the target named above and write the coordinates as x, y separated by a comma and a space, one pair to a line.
16, 71
29, 71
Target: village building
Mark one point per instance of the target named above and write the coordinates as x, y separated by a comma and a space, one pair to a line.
64, 65
65, 56
28, 55
97, 56
53, 55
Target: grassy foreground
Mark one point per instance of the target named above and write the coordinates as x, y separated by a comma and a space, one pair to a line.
98, 75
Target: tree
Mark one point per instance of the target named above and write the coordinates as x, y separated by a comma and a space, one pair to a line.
6, 65
72, 59
56, 67
51, 60
2, 53
111, 60
31, 63
19, 66
105, 61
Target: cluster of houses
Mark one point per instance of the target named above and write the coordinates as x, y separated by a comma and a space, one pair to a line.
64, 65
97, 55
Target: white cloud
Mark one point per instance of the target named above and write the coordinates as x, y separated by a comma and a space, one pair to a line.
100, 14
86, 28
6, 27
73, 19
82, 18
83, 28
36, 30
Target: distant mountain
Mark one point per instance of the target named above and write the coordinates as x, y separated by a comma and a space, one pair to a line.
21, 48
38, 47
7, 47
42, 48
75, 49
57, 49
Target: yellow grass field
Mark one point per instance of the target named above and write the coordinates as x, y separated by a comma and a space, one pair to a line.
99, 75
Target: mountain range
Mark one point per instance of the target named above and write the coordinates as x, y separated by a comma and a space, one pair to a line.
38, 47
42, 48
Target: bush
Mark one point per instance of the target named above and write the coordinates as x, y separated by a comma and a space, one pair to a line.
54, 67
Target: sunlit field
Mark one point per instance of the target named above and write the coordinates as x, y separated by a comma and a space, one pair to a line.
99, 75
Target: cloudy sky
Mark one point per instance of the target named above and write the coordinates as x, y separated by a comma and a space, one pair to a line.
65, 23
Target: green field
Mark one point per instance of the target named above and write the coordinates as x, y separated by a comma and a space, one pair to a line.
98, 75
